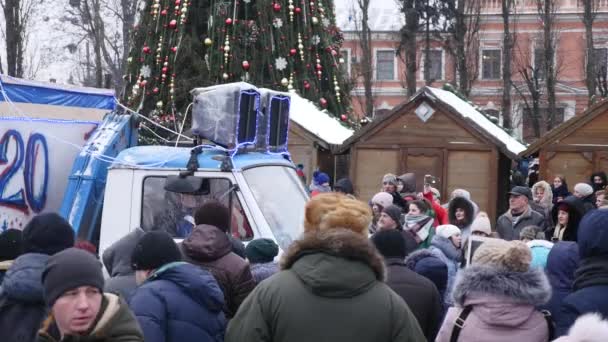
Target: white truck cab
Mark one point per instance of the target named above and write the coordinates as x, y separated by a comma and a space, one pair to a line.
262, 190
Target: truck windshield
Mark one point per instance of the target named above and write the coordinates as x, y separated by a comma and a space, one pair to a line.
280, 196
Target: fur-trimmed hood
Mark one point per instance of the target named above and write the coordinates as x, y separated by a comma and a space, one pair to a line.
335, 262
531, 287
469, 209
547, 200
415, 257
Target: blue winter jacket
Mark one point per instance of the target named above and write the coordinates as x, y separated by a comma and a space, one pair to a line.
562, 261
180, 303
591, 283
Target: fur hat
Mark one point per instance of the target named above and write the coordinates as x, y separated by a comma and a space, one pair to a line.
394, 212
587, 328
383, 199
48, 234
390, 179
512, 255
447, 230
333, 210
482, 224
584, 189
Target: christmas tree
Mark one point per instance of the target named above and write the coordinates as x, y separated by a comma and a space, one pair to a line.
286, 45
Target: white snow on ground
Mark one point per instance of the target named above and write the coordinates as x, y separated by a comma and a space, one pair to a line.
319, 123
467, 111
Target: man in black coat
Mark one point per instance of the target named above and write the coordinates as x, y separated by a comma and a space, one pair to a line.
419, 293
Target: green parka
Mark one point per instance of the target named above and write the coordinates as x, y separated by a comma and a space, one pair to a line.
330, 289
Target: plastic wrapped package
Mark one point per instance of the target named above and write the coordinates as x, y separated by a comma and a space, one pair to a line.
227, 114
274, 126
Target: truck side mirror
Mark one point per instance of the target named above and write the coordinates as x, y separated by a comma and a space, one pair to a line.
192, 185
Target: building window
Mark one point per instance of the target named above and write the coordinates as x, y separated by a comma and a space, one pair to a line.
528, 121
434, 71
539, 63
601, 61
490, 64
345, 67
385, 65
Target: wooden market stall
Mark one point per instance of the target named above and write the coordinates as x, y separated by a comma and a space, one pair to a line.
436, 133
312, 133
574, 149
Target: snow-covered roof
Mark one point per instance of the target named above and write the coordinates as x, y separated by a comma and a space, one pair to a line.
383, 15
469, 112
320, 123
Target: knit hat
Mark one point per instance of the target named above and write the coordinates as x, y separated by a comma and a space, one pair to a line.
383, 199
584, 189
332, 210
390, 243
394, 212
47, 234
261, 251
320, 178
531, 233
68, 270
214, 214
512, 255
447, 230
389, 178
10, 244
154, 250
482, 224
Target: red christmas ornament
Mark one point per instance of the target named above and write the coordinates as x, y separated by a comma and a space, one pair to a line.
147, 49
229, 21
246, 65
163, 12
173, 24
306, 85
293, 52
276, 7
334, 53
298, 10
178, 2
319, 67
143, 83
174, 49
156, 90
323, 102
343, 117
164, 70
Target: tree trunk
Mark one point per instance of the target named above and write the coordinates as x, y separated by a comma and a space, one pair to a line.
14, 38
588, 18
461, 53
411, 26
366, 50
549, 46
507, 52
427, 49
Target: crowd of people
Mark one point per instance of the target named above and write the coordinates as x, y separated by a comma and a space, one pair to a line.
391, 269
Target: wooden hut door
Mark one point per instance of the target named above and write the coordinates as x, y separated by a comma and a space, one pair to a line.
424, 161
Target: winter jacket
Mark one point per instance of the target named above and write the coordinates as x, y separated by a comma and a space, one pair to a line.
263, 271
469, 210
588, 203
429, 266
561, 264
545, 205
180, 302
576, 211
419, 293
441, 215
503, 305
508, 227
330, 289
445, 250
22, 306
540, 252
4, 266
210, 248
590, 288
561, 191
114, 323
117, 260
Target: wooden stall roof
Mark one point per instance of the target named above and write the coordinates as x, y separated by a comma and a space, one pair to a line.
460, 110
327, 131
567, 128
